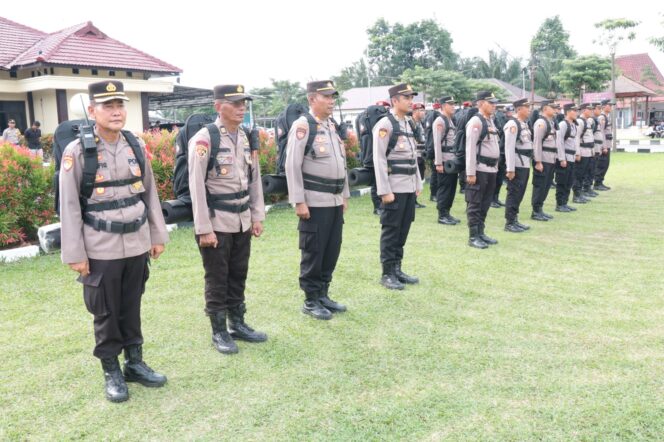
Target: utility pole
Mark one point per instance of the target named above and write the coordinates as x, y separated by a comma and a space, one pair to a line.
613, 98
533, 70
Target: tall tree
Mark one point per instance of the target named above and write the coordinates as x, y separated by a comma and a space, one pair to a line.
548, 49
436, 82
274, 99
395, 48
658, 42
355, 75
590, 72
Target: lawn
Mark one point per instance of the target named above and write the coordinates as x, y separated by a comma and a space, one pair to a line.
553, 334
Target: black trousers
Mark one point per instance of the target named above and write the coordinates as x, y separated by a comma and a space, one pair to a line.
395, 221
541, 185
446, 191
564, 182
500, 176
479, 197
375, 199
462, 180
580, 172
589, 176
112, 293
226, 267
602, 167
421, 165
516, 189
320, 243
434, 180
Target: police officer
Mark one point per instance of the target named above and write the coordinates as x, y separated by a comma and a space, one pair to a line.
586, 145
605, 120
433, 179
598, 136
545, 152
11, 134
399, 183
318, 186
518, 154
499, 120
111, 226
444, 132
228, 208
417, 116
482, 156
568, 140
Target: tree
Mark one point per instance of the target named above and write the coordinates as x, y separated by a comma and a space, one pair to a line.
499, 65
437, 82
355, 75
591, 72
548, 48
272, 100
658, 42
393, 49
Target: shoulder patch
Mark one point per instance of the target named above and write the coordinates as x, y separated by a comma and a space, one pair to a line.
513, 129
201, 149
300, 132
68, 162
382, 133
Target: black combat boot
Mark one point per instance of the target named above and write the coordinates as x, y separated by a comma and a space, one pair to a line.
563, 208
135, 370
238, 329
313, 307
513, 227
433, 198
601, 187
390, 279
570, 208
579, 198
445, 218
116, 388
221, 339
538, 216
328, 303
589, 193
523, 226
485, 238
404, 278
418, 205
474, 239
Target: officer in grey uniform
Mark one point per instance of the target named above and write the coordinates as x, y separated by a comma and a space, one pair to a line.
598, 136
586, 143
518, 155
318, 187
565, 175
433, 179
111, 226
227, 202
399, 183
444, 133
546, 150
482, 156
606, 123
417, 118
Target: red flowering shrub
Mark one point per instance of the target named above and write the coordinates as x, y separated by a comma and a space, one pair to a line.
160, 145
26, 195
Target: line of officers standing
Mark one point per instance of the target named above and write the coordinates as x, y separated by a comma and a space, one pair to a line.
110, 236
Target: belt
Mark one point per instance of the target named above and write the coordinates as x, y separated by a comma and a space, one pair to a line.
549, 149
102, 225
118, 183
608, 137
598, 142
110, 205
396, 170
525, 152
232, 208
447, 149
327, 185
570, 151
227, 196
488, 161
588, 145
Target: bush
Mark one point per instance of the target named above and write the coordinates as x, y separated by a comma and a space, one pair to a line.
160, 145
46, 144
26, 195
352, 146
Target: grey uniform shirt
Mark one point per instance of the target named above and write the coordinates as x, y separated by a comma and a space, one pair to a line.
329, 162
439, 128
490, 147
585, 135
600, 139
237, 170
608, 132
403, 152
571, 145
524, 142
116, 162
545, 146
11, 135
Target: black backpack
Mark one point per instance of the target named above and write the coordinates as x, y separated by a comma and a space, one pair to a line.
428, 146
534, 116
501, 142
283, 125
568, 130
366, 121
460, 137
192, 125
68, 131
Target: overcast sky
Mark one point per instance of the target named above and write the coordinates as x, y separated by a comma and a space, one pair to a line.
251, 42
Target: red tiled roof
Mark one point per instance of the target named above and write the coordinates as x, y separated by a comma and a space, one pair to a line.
85, 45
16, 39
635, 67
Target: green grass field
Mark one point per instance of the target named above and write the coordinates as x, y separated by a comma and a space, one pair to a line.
554, 334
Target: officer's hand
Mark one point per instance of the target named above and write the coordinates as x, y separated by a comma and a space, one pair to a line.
440, 169
208, 240
539, 166
156, 250
563, 164
510, 175
81, 267
605, 151
387, 198
417, 192
302, 211
345, 205
471, 179
577, 158
257, 229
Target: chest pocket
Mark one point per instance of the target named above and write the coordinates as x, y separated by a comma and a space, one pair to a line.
135, 170
100, 193
322, 145
225, 167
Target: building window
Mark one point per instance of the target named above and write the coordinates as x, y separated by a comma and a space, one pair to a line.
94, 72
13, 74
74, 71
32, 73
45, 71
130, 73
111, 73
52, 71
